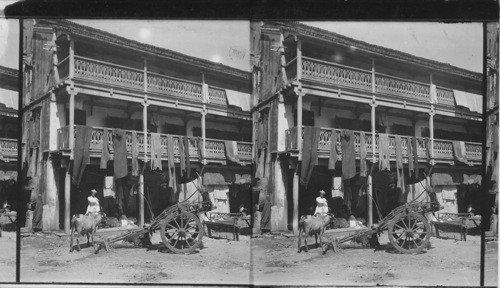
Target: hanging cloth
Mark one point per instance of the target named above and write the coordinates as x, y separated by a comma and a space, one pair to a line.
415, 158
199, 144
231, 150
105, 156
362, 150
155, 151
383, 152
399, 162
135, 154
109, 189
81, 152
119, 153
171, 165
428, 149
186, 158
459, 151
411, 167
182, 155
333, 150
348, 154
309, 153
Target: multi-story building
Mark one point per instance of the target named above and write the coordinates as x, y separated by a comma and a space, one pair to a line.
310, 84
491, 115
77, 76
8, 139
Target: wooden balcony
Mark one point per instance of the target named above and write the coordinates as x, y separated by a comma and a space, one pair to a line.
346, 77
8, 149
122, 77
443, 149
214, 148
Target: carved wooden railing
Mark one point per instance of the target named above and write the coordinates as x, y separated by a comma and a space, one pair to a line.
217, 96
162, 84
350, 77
8, 148
445, 96
443, 149
131, 78
215, 149
108, 73
336, 74
395, 86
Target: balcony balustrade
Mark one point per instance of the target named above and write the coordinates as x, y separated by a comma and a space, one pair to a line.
8, 149
338, 75
443, 149
214, 148
118, 76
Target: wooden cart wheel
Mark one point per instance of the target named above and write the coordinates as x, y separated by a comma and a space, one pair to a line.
182, 233
409, 233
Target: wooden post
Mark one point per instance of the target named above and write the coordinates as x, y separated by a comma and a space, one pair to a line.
145, 132
203, 124
295, 203
71, 96
299, 60
67, 206
374, 159
431, 122
299, 124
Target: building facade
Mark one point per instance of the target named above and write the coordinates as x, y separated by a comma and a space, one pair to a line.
413, 121
491, 116
177, 115
8, 139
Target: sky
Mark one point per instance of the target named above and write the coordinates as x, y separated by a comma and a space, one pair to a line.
458, 44
227, 41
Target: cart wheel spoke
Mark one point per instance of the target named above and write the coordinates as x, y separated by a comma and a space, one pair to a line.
171, 226
398, 226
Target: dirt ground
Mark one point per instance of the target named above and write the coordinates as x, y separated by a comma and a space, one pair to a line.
8, 257
274, 258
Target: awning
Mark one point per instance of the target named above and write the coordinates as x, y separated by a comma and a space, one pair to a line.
238, 99
454, 178
469, 100
222, 176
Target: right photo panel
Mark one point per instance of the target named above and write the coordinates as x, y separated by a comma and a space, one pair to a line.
368, 153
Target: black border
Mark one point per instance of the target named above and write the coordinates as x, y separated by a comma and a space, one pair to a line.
414, 10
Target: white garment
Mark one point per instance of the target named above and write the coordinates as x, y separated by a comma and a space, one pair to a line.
337, 188
321, 206
108, 190
238, 99
469, 100
93, 205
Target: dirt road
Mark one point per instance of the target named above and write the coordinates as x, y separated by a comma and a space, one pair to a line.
274, 260
8, 257
47, 259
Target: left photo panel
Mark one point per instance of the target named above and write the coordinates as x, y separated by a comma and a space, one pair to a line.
138, 150
9, 63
